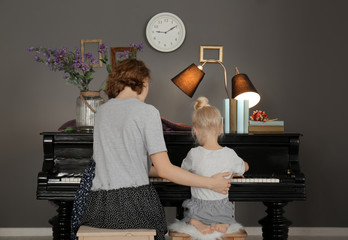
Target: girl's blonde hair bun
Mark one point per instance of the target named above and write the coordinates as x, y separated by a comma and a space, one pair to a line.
207, 119
200, 103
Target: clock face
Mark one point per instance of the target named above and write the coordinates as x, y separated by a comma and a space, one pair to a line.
165, 32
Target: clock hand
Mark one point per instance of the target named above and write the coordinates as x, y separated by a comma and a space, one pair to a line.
171, 29
160, 32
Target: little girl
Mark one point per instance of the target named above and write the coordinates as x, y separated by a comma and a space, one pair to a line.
209, 211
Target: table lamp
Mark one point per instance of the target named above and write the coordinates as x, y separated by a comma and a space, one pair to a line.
189, 79
242, 88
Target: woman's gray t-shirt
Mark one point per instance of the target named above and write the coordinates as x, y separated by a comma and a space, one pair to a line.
126, 132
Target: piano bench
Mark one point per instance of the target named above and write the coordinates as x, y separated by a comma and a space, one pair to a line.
91, 233
241, 235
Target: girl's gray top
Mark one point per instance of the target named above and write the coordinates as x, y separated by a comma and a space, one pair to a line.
210, 162
126, 132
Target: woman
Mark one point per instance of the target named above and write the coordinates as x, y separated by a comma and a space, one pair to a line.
128, 139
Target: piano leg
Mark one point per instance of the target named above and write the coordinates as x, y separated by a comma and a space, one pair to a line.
275, 225
179, 212
61, 222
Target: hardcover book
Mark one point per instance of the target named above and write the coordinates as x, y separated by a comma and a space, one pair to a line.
268, 123
266, 129
230, 115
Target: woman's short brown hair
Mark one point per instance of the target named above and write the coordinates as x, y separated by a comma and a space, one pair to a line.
130, 72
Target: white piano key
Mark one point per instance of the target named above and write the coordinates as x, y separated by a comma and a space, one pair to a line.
77, 180
54, 180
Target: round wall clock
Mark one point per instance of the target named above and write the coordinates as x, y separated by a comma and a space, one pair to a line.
165, 32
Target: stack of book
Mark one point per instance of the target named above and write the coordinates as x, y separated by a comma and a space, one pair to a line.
266, 127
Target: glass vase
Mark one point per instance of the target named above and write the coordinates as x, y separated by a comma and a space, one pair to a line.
87, 105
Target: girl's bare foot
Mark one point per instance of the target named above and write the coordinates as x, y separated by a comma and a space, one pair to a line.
221, 227
205, 229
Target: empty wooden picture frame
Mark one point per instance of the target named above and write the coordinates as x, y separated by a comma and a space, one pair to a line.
115, 51
99, 42
204, 47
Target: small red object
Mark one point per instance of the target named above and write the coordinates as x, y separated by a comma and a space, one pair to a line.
259, 115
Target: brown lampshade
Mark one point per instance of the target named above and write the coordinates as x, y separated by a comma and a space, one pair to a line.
189, 79
243, 89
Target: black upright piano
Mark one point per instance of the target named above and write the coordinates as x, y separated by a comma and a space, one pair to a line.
274, 177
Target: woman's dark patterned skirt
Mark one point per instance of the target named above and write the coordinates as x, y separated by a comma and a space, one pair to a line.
81, 198
126, 208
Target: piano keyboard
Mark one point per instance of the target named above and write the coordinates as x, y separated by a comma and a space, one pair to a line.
76, 180
158, 179
65, 180
255, 180
234, 180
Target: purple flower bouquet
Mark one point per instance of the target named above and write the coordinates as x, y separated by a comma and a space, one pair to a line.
76, 72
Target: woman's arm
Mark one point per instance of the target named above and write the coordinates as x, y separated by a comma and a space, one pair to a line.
165, 169
153, 172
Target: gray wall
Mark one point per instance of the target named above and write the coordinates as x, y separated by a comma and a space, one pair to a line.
294, 51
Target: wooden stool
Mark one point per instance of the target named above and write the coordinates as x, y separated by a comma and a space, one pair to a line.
241, 235
90, 233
